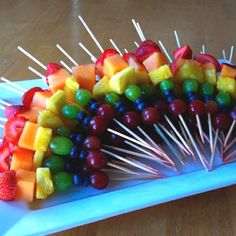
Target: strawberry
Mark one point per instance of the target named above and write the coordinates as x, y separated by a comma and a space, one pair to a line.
13, 129
14, 110
28, 96
184, 52
52, 68
8, 185
145, 49
205, 58
128, 55
107, 53
4, 157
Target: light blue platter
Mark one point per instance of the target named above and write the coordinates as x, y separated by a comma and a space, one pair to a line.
86, 205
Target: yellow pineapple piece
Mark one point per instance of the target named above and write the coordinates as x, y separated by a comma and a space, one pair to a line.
38, 159
42, 139
71, 86
101, 87
160, 74
44, 184
226, 84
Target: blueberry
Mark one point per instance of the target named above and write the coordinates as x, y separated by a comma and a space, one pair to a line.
77, 179
118, 105
74, 152
138, 100
79, 139
81, 116
86, 121
141, 106
82, 155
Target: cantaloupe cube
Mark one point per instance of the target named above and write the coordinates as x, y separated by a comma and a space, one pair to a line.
38, 159
22, 159
154, 61
40, 99
71, 86
114, 64
101, 87
160, 74
25, 185
85, 75
42, 139
32, 114
228, 71
28, 136
122, 79
226, 84
57, 80
44, 184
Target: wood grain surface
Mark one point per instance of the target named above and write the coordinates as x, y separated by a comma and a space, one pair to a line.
39, 25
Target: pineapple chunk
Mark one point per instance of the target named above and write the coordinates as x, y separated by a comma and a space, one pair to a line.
71, 86
48, 119
43, 138
210, 76
226, 84
56, 101
101, 87
160, 74
122, 79
44, 184
38, 159
142, 77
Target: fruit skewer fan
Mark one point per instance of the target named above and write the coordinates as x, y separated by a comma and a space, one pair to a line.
126, 116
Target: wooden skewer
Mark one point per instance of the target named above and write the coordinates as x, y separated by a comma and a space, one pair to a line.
132, 178
210, 131
125, 50
177, 39
93, 58
13, 84
37, 73
115, 46
67, 55
214, 147
178, 134
174, 151
231, 54
199, 125
203, 49
230, 155
124, 169
181, 150
11, 89
202, 159
5, 103
230, 145
136, 44
165, 51
151, 156
224, 54
137, 154
32, 57
141, 31
2, 107
66, 66
137, 29
2, 126
127, 161
91, 34
229, 132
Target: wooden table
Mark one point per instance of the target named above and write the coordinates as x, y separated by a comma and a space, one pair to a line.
39, 25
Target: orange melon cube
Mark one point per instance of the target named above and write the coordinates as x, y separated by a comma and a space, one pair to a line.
228, 71
57, 80
40, 99
85, 75
22, 159
32, 114
28, 136
137, 65
114, 64
25, 185
154, 61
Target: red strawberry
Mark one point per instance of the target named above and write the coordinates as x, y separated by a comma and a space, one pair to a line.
28, 96
13, 129
107, 53
145, 49
127, 56
205, 58
4, 157
8, 185
52, 68
14, 110
184, 52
